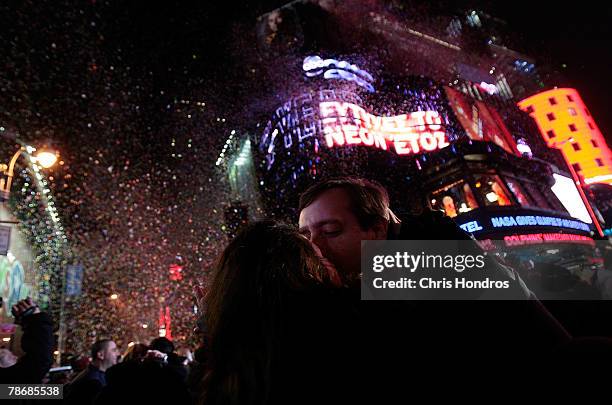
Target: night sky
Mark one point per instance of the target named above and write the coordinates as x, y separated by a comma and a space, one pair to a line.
139, 98
579, 37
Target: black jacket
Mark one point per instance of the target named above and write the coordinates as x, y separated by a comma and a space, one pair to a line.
37, 343
85, 387
455, 332
148, 381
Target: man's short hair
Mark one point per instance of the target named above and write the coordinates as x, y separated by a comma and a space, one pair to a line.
162, 344
369, 201
99, 346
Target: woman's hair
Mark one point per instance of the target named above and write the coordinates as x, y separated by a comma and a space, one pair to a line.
254, 280
136, 352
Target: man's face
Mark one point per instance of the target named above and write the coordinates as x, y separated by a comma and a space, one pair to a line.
111, 353
330, 224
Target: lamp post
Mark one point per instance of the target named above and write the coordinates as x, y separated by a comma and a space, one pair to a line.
43, 159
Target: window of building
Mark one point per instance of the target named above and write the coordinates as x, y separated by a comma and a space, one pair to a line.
591, 125
518, 192
573, 128
570, 98
595, 145
552, 101
551, 133
576, 146
454, 199
572, 111
529, 109
536, 195
586, 110
577, 167
550, 116
491, 190
599, 162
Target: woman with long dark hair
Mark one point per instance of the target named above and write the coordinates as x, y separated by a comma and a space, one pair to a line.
276, 319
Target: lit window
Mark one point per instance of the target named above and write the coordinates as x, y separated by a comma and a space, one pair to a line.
599, 162
536, 194
551, 133
573, 128
550, 116
576, 146
552, 101
572, 111
591, 125
518, 192
454, 199
570, 98
595, 145
577, 167
492, 191
529, 109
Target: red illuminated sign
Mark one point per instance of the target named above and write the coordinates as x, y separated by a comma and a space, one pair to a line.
349, 124
538, 238
176, 272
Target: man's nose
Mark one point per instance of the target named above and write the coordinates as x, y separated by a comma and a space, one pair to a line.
319, 240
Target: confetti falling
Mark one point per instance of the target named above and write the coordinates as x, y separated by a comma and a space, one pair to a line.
144, 107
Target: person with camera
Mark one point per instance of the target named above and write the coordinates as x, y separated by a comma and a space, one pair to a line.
36, 342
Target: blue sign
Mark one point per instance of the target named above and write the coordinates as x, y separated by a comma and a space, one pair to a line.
74, 279
492, 220
538, 220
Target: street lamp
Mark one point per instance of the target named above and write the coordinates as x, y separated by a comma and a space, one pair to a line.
43, 158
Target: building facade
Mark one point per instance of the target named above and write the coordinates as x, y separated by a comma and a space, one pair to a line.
427, 107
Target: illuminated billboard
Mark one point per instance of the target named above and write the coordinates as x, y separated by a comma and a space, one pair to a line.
481, 122
335, 118
566, 123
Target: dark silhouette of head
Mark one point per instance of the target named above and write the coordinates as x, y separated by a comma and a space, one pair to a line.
162, 344
248, 303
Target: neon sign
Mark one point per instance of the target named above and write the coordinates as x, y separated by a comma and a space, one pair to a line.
334, 69
489, 88
538, 238
472, 226
350, 124
537, 220
479, 223
317, 115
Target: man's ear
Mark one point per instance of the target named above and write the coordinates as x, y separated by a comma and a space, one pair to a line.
100, 355
379, 229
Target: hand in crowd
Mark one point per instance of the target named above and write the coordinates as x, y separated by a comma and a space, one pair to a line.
24, 308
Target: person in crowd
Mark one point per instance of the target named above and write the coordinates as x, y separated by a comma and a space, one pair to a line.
78, 364
154, 375
278, 331
36, 342
7, 358
172, 359
86, 386
137, 352
337, 214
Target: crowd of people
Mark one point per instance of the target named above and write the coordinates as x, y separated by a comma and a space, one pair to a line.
283, 320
